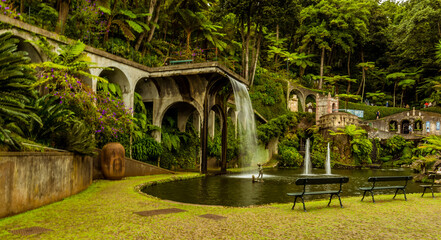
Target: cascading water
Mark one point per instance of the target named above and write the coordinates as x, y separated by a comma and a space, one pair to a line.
250, 151
328, 160
307, 161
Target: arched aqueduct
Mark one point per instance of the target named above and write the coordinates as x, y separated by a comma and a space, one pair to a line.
192, 90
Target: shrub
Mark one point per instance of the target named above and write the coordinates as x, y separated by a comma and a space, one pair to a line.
370, 111
318, 151
289, 157
361, 150
146, 150
395, 146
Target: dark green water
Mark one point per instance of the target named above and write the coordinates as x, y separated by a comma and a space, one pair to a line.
238, 189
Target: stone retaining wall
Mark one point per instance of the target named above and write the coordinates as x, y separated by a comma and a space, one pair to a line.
29, 180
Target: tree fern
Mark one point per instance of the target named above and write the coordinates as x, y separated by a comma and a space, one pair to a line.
15, 89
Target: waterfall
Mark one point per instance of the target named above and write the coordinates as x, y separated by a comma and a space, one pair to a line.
250, 152
307, 162
328, 160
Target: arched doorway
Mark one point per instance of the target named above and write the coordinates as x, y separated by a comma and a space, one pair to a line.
405, 126
33, 53
118, 78
310, 103
180, 136
295, 101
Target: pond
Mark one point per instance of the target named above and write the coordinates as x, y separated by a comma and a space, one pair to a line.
238, 190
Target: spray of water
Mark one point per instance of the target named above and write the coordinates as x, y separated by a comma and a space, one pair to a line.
328, 160
250, 152
307, 165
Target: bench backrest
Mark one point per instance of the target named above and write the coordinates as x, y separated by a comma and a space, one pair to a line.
321, 180
433, 177
389, 178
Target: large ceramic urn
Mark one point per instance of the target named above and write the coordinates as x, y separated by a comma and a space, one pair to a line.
113, 161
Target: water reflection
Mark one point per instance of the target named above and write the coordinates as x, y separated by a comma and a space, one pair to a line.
238, 189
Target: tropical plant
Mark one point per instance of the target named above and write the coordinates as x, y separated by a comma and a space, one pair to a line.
16, 93
126, 20
55, 118
396, 77
361, 146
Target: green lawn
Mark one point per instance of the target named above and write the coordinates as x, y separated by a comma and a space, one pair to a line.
106, 211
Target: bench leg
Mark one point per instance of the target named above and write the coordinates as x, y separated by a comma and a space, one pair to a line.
339, 199
303, 201
330, 199
295, 200
363, 195
433, 196
372, 194
396, 193
404, 192
425, 191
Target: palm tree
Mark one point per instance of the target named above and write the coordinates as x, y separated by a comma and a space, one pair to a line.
365, 66
15, 89
301, 60
405, 84
396, 77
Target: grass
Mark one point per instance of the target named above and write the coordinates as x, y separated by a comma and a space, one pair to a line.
106, 211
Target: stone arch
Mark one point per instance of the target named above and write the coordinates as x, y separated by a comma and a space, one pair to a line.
405, 123
117, 76
393, 126
215, 120
334, 107
296, 97
33, 53
183, 111
310, 103
148, 89
149, 93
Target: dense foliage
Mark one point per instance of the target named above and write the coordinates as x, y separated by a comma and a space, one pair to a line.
367, 52
16, 93
378, 50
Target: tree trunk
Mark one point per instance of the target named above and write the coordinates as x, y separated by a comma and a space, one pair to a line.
152, 7
255, 57
188, 40
363, 73
22, 7
302, 72
349, 72
277, 40
322, 62
402, 95
62, 15
242, 34
395, 87
247, 51
364, 84
155, 21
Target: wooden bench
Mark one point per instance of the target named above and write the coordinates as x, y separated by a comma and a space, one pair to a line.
432, 185
318, 181
375, 180
174, 62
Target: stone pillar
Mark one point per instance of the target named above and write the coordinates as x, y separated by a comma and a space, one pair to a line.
197, 123
211, 124
224, 143
204, 138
